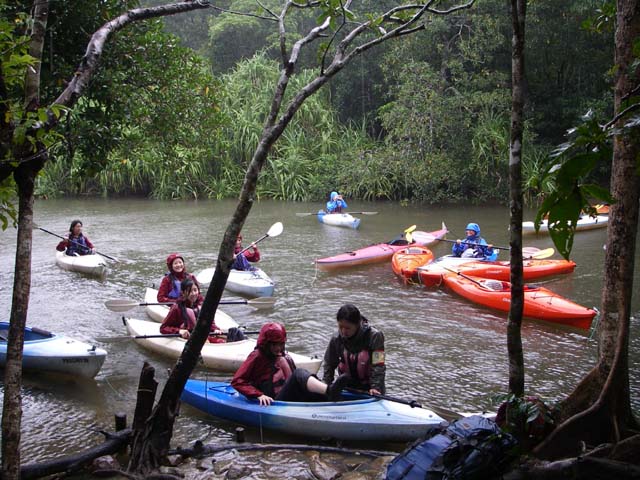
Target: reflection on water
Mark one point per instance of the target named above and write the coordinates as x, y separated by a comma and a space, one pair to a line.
441, 349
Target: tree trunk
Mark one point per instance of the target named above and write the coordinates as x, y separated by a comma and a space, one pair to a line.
514, 338
599, 409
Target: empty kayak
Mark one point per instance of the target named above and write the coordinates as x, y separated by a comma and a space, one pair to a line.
157, 312
539, 302
47, 352
88, 264
379, 252
338, 219
225, 357
357, 418
584, 223
430, 275
405, 262
251, 283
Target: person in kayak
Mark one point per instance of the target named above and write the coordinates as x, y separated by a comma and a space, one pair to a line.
474, 246
241, 261
169, 290
184, 313
75, 242
336, 203
357, 350
269, 373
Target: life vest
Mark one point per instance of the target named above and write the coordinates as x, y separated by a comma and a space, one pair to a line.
282, 372
77, 245
357, 365
241, 263
175, 286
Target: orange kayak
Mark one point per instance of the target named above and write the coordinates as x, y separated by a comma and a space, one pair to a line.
405, 262
430, 275
539, 302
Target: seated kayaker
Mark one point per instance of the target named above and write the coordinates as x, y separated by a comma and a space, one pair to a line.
269, 373
169, 290
183, 314
357, 350
474, 246
336, 203
75, 242
241, 260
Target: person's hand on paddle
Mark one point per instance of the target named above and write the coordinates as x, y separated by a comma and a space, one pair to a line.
373, 391
458, 241
265, 400
184, 333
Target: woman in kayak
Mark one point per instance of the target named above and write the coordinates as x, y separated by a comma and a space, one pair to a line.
184, 313
241, 261
357, 350
336, 203
269, 373
76, 243
474, 246
169, 290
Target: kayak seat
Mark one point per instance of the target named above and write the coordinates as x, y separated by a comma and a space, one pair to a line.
414, 250
39, 331
494, 285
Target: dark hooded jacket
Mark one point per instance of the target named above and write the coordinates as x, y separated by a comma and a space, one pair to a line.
348, 354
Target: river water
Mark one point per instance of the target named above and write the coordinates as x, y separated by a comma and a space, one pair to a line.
441, 349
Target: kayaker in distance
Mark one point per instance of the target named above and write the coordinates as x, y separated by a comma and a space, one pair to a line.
474, 246
184, 313
75, 242
169, 290
336, 203
357, 350
269, 373
241, 262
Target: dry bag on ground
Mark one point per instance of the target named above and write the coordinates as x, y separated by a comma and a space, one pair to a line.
472, 448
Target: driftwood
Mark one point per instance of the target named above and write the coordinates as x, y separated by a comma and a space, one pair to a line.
114, 442
201, 450
580, 468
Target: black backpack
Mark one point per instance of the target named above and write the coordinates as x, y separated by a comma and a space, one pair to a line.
471, 448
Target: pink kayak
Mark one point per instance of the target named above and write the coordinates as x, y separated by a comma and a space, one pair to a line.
379, 252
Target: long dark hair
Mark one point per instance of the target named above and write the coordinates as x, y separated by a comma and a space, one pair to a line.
73, 224
351, 314
185, 290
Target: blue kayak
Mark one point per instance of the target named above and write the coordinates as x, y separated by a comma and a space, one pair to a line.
356, 418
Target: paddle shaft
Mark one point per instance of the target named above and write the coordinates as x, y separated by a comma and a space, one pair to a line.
171, 335
443, 412
474, 244
325, 213
77, 243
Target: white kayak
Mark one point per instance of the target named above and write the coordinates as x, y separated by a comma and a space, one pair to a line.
251, 283
157, 312
47, 352
584, 223
338, 219
226, 357
89, 264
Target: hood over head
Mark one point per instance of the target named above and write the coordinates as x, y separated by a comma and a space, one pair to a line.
272, 332
475, 227
171, 258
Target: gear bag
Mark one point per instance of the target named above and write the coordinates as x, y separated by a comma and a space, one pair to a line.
471, 448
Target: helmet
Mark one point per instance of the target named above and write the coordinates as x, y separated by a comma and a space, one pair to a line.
171, 258
473, 226
272, 333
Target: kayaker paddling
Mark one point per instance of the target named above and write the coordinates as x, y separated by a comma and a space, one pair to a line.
243, 256
474, 246
76, 243
269, 373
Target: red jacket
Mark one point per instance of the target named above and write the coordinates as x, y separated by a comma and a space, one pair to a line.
174, 322
166, 286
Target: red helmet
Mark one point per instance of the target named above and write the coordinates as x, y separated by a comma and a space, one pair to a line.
171, 258
272, 333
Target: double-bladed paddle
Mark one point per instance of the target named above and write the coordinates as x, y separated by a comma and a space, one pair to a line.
73, 241
350, 213
123, 305
205, 276
164, 335
442, 412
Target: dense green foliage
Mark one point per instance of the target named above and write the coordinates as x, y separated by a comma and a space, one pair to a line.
432, 110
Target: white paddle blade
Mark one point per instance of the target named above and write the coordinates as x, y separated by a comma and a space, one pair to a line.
276, 229
120, 305
262, 303
205, 276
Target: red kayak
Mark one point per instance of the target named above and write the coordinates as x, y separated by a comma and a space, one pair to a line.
379, 252
539, 302
430, 275
405, 262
